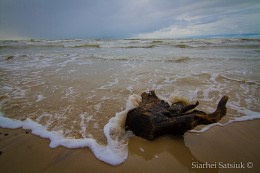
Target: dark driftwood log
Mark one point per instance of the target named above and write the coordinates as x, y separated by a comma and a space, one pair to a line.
155, 117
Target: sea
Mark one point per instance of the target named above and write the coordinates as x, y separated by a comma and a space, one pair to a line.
77, 93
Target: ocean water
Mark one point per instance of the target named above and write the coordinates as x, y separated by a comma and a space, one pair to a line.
77, 92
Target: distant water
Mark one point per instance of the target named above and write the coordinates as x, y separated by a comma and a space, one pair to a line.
76, 92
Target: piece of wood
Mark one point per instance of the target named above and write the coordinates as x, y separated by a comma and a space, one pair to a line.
155, 117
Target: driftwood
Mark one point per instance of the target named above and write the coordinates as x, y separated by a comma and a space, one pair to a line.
155, 117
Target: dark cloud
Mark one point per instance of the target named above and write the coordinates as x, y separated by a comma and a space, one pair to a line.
54, 19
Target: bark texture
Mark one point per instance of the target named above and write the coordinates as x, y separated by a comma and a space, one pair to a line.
155, 117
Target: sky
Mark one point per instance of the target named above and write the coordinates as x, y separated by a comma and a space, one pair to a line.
70, 19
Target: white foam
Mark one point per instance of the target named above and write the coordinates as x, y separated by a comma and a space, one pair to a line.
109, 85
86, 62
90, 97
113, 83
72, 58
130, 88
82, 124
40, 98
7, 88
114, 153
9, 123
19, 93
98, 106
249, 115
69, 91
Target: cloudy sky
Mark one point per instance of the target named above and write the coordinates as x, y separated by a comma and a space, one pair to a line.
67, 19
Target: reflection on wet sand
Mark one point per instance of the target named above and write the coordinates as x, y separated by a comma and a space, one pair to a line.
178, 154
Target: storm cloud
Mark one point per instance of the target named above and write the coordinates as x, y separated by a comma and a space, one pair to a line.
65, 19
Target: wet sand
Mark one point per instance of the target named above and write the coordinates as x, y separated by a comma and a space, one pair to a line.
20, 151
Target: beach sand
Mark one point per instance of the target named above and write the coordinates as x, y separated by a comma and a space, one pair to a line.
235, 143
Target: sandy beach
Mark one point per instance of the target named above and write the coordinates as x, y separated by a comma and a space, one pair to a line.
76, 78
77, 93
234, 144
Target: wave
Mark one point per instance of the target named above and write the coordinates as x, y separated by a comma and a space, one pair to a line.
132, 39
85, 45
157, 41
136, 43
249, 40
114, 153
10, 57
182, 46
27, 46
239, 80
215, 43
3, 46
180, 59
47, 45
144, 47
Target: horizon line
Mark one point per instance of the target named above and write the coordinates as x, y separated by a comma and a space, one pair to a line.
248, 35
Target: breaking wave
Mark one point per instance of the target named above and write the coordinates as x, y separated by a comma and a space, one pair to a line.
84, 45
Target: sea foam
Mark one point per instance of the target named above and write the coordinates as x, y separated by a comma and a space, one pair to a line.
116, 150
114, 153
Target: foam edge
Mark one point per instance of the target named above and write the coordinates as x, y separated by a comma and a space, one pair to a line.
114, 153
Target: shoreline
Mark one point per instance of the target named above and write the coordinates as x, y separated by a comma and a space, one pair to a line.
236, 143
